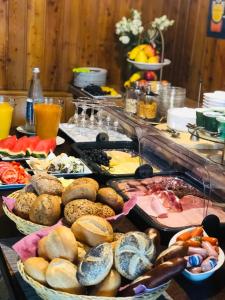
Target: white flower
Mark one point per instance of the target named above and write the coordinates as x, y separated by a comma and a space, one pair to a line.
124, 39
140, 29
136, 14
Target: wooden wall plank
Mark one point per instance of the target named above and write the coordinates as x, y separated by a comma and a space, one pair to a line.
35, 37
3, 42
16, 63
53, 42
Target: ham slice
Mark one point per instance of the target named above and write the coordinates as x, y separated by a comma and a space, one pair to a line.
170, 200
190, 201
157, 206
152, 206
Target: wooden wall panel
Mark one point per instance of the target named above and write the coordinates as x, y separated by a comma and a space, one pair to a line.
3, 42
57, 35
16, 62
35, 36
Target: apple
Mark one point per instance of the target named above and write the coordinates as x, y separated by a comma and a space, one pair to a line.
150, 75
149, 51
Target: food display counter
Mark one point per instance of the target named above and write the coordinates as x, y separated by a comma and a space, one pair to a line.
176, 174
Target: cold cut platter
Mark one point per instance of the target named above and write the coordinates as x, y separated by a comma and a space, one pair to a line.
169, 202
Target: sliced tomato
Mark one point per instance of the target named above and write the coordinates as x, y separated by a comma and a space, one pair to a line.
4, 165
9, 175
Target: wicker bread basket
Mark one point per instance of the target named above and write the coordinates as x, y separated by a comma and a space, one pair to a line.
50, 294
24, 226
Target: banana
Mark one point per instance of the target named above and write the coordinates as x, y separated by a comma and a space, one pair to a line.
136, 76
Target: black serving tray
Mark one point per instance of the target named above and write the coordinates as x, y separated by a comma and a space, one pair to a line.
151, 221
106, 145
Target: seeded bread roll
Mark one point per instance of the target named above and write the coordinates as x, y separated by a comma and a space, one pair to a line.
61, 276
134, 253
46, 210
104, 211
61, 243
81, 207
23, 204
96, 265
36, 268
79, 191
46, 184
92, 230
85, 180
78, 208
108, 287
110, 197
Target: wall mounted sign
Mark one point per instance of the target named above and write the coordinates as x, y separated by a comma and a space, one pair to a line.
216, 19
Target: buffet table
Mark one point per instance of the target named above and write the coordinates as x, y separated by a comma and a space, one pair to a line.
180, 287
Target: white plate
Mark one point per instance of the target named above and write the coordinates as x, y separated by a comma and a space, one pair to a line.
222, 102
147, 66
21, 129
80, 134
86, 171
59, 140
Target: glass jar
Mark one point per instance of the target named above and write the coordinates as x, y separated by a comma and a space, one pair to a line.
131, 100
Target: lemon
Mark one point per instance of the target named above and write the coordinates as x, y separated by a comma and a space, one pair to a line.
141, 57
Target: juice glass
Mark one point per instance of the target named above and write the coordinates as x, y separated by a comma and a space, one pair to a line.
47, 117
6, 112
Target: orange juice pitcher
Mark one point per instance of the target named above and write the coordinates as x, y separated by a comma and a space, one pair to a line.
6, 112
47, 118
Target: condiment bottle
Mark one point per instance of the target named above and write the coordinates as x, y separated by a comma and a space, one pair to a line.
35, 95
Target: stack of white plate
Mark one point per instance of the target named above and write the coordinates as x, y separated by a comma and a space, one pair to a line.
96, 76
216, 99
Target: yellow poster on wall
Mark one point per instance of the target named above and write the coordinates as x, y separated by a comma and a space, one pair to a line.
216, 20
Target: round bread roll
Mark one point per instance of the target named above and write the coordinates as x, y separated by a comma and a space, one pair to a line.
61, 243
41, 250
110, 197
36, 268
82, 249
96, 265
134, 253
81, 207
23, 204
85, 180
106, 211
78, 208
79, 191
92, 230
109, 286
61, 276
46, 210
46, 184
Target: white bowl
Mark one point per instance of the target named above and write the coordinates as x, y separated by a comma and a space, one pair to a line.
179, 117
200, 276
147, 66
